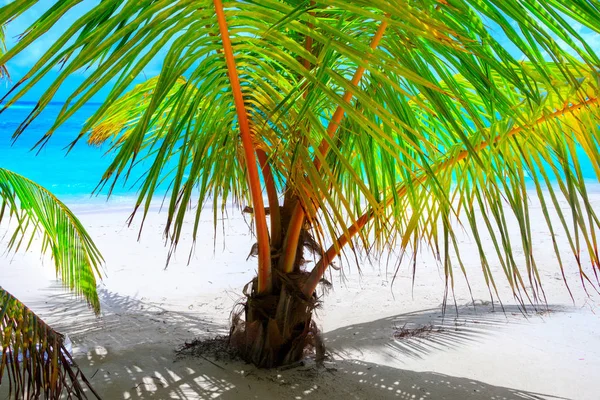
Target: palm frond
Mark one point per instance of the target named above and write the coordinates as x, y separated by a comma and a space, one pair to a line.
3, 70
34, 356
437, 85
119, 119
543, 156
30, 210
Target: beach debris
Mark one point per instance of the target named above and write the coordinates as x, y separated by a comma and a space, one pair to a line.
250, 210
420, 332
216, 348
253, 251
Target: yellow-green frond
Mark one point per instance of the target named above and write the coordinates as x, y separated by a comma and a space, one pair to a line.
28, 210
492, 179
120, 118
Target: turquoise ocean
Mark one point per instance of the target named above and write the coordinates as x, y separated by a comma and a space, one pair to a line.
71, 176
74, 176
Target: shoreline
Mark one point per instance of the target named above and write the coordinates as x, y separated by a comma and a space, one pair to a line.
89, 203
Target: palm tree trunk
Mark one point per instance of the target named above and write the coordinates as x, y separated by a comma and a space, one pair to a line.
277, 327
275, 212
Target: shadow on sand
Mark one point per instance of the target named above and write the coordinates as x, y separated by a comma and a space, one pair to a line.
128, 353
464, 325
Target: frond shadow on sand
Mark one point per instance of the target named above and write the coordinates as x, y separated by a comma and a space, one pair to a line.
129, 353
414, 335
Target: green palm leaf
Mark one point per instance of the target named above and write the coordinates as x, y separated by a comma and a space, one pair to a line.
34, 356
119, 120
3, 70
29, 210
518, 160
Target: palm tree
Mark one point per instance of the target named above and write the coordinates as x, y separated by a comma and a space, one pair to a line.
32, 354
368, 124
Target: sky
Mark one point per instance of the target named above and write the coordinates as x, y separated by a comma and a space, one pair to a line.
21, 64
24, 61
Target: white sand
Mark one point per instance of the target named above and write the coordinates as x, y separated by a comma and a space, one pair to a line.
147, 312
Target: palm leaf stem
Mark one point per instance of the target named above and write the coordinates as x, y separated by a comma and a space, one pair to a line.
290, 246
335, 249
262, 233
275, 213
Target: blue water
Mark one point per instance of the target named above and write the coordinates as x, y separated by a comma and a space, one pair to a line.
72, 175
76, 175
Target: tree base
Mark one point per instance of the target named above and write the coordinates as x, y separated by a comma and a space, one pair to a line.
277, 328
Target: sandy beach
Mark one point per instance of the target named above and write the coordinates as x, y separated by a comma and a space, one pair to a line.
483, 352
